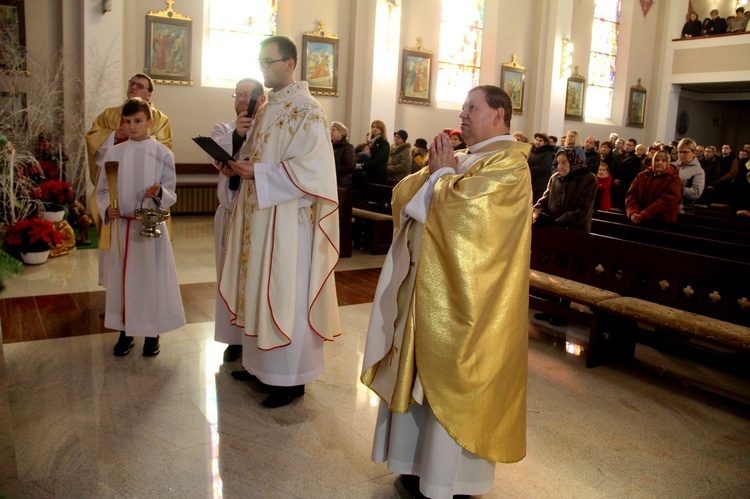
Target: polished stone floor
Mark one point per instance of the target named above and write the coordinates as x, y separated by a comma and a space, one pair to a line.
75, 421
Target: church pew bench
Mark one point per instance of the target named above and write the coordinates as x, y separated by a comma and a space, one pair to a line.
670, 294
345, 222
731, 250
372, 221
717, 230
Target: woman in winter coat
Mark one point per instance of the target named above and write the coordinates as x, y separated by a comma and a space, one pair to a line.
655, 193
343, 154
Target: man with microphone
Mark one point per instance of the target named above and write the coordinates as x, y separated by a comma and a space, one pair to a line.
248, 97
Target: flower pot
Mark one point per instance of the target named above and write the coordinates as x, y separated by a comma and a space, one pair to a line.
53, 216
35, 257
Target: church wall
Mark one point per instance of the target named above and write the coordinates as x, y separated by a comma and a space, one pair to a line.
715, 122
194, 109
633, 61
509, 27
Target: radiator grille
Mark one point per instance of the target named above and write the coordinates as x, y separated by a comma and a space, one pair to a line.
195, 200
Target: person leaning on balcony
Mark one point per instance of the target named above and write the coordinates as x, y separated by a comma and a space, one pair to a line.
718, 24
739, 22
692, 27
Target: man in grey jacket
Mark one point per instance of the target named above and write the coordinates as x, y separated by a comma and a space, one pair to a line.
692, 176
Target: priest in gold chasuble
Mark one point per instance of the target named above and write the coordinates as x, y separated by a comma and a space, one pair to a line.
447, 342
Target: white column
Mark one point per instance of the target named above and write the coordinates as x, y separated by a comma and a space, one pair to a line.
103, 80
550, 115
374, 61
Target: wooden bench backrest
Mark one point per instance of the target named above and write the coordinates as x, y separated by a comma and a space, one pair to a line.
717, 230
671, 240
373, 197
705, 285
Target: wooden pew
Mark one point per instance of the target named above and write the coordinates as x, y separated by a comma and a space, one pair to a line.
659, 293
714, 231
345, 222
672, 240
372, 221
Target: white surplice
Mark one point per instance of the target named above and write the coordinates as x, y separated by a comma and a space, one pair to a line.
414, 442
143, 295
224, 330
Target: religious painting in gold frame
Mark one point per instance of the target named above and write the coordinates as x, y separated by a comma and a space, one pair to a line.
320, 61
636, 106
416, 75
512, 77
169, 42
574, 97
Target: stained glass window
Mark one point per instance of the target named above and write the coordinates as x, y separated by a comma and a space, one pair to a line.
604, 34
460, 48
235, 29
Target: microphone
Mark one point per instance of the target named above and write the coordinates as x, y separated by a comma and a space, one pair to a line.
253, 102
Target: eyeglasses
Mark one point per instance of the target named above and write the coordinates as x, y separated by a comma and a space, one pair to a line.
139, 86
243, 95
267, 63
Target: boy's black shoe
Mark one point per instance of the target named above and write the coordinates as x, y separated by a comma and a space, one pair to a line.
283, 395
124, 345
151, 346
232, 353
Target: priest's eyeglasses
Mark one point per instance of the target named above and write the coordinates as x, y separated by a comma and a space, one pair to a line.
139, 86
243, 95
267, 63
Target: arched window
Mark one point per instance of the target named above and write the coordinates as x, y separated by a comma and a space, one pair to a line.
604, 33
460, 52
233, 32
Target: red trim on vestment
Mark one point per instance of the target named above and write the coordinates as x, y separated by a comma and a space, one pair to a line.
338, 253
268, 290
124, 260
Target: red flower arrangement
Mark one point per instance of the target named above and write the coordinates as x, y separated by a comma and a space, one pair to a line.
55, 192
32, 235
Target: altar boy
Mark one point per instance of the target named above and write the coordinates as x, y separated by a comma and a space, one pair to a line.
143, 295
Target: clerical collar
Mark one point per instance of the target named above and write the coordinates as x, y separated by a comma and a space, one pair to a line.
479, 146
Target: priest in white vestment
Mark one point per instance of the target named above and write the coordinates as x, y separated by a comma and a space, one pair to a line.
447, 342
282, 248
231, 136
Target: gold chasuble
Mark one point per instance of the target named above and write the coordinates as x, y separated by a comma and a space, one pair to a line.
103, 126
466, 330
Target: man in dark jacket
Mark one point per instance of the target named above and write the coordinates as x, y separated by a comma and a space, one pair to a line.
540, 164
593, 159
624, 170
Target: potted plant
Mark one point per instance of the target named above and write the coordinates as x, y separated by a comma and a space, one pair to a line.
33, 239
55, 195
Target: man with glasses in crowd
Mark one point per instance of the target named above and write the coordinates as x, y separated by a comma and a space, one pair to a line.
107, 130
692, 176
283, 241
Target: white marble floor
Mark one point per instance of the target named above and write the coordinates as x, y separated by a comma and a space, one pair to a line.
87, 424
